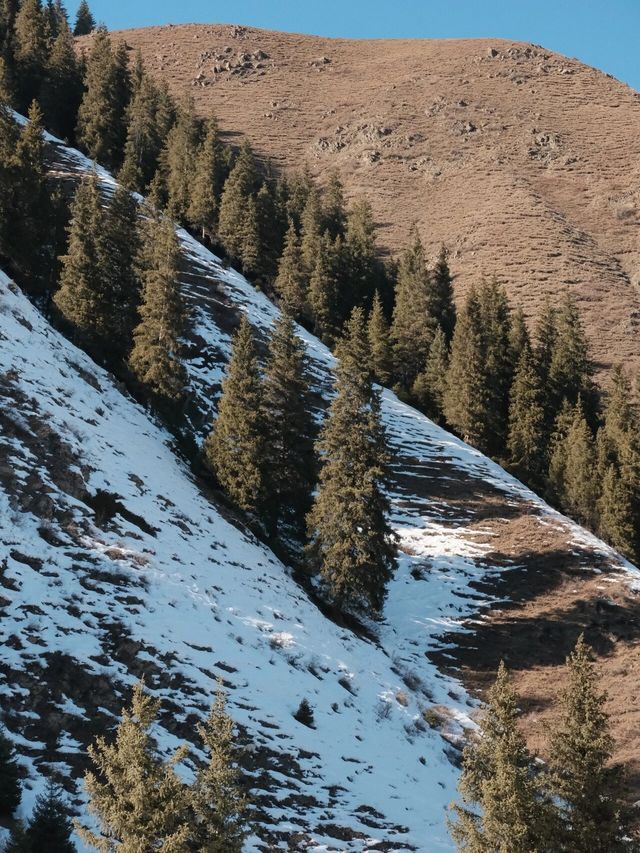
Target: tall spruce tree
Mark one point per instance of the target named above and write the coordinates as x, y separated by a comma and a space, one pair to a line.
322, 296
502, 807
138, 799
62, 88
81, 297
10, 790
291, 282
217, 800
430, 388
351, 543
333, 207
121, 247
527, 437
518, 338
288, 462
466, 396
156, 355
572, 466
441, 303
570, 369
380, 343
495, 326
85, 22
207, 182
178, 161
413, 325
234, 449
31, 49
49, 828
588, 788
101, 127
361, 268
239, 187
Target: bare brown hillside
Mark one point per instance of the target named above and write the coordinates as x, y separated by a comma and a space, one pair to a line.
525, 163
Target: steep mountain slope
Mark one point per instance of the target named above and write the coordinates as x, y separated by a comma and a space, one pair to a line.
114, 563
524, 162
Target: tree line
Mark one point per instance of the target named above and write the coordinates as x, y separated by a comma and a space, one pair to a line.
137, 798
575, 802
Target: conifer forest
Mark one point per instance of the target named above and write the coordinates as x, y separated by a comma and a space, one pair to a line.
308, 540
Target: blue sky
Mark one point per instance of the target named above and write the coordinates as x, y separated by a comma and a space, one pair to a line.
603, 33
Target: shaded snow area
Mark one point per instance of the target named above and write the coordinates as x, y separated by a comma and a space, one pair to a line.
114, 564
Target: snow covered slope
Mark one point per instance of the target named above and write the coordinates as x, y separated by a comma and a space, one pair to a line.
114, 564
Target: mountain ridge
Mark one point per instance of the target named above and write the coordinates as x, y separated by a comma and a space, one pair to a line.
522, 161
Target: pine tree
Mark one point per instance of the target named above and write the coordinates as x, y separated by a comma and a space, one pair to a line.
380, 343
207, 183
178, 161
351, 544
85, 22
32, 34
311, 231
250, 239
49, 829
289, 427
430, 387
413, 325
156, 356
361, 268
241, 184
10, 792
502, 808
102, 115
334, 213
587, 786
466, 397
270, 231
81, 296
498, 367
150, 116
572, 466
322, 297
62, 87
217, 800
519, 339
441, 305
137, 798
618, 451
570, 370
526, 443
121, 247
234, 449
290, 283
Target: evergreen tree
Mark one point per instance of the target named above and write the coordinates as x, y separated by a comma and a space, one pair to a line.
526, 443
466, 397
234, 449
250, 239
311, 231
137, 798
178, 161
149, 119
587, 786
241, 184
62, 87
351, 543
430, 387
289, 428
519, 339
156, 355
334, 213
121, 246
618, 451
380, 343
49, 829
102, 115
441, 305
82, 297
498, 367
217, 800
31, 49
85, 22
545, 340
572, 467
570, 369
270, 230
363, 272
207, 183
290, 283
10, 792
322, 296
502, 808
413, 325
